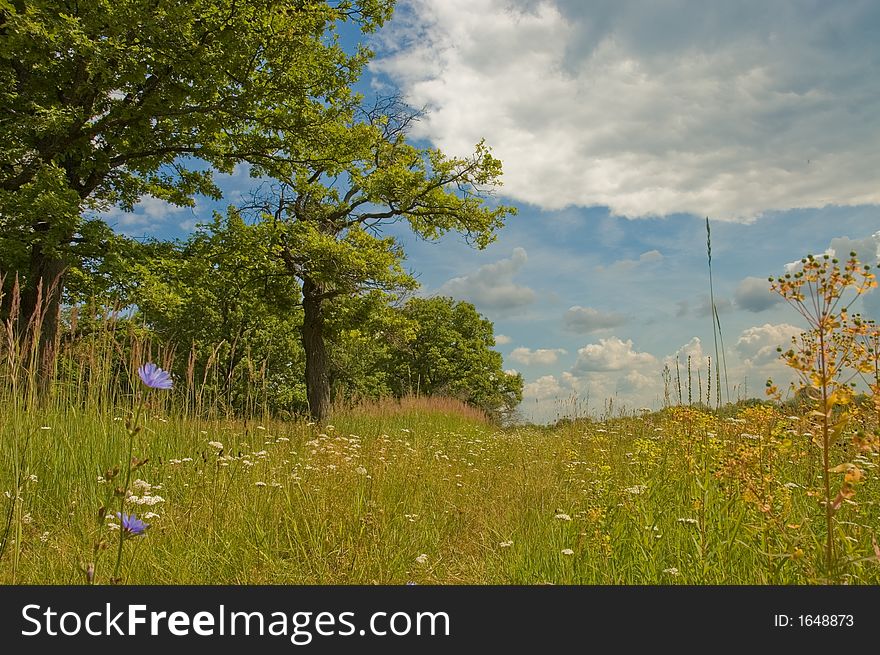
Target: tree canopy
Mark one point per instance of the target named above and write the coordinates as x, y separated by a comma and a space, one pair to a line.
103, 102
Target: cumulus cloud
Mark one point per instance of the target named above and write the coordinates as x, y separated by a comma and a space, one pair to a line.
757, 345
693, 349
753, 294
543, 388
501, 339
587, 319
541, 356
491, 287
867, 249
637, 381
708, 107
149, 214
612, 354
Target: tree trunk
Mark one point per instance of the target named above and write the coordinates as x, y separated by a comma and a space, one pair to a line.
40, 315
317, 377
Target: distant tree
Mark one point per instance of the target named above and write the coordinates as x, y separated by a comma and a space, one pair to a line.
363, 334
329, 215
105, 101
451, 354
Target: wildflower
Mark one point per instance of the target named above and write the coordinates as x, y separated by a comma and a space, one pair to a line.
505, 544
44, 537
216, 444
45, 427
360, 470
690, 521
567, 551
671, 570
146, 500
260, 484
422, 559
563, 517
151, 515
131, 525
154, 377
636, 490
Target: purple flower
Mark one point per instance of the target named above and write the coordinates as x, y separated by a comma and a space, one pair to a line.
154, 377
132, 526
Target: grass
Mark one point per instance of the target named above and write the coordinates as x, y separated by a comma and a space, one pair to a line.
677, 497
429, 490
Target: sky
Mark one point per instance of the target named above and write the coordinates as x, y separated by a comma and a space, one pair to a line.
621, 127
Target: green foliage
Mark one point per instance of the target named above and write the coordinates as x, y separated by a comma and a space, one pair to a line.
221, 297
451, 354
103, 102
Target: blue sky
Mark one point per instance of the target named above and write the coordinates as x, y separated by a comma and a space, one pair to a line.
621, 126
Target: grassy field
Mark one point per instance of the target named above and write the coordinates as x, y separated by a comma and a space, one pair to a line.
426, 491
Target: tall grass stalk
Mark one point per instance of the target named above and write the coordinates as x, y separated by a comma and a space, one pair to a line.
716, 329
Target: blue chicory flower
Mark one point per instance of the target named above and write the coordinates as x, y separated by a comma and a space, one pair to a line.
132, 525
154, 377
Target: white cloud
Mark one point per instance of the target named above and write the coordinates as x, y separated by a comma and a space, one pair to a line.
753, 294
867, 249
491, 287
612, 354
693, 349
149, 214
757, 345
501, 339
587, 319
541, 356
543, 388
636, 381
710, 107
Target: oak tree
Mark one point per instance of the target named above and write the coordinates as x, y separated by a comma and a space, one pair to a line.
331, 215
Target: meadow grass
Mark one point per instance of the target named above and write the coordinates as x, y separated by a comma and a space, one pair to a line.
429, 492
424, 490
